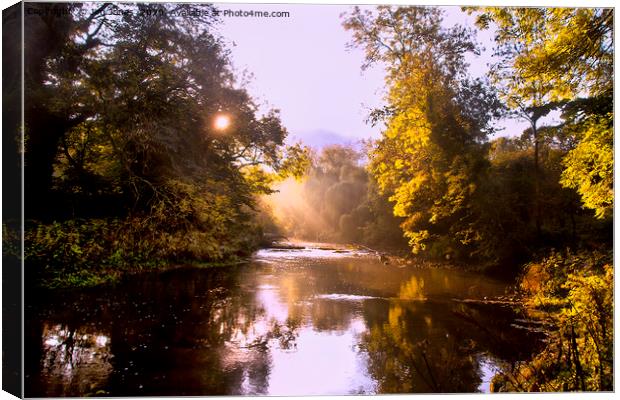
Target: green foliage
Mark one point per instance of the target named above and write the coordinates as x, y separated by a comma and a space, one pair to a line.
562, 58
498, 202
574, 291
567, 50
83, 253
296, 162
80, 253
149, 101
381, 228
121, 140
11, 240
510, 221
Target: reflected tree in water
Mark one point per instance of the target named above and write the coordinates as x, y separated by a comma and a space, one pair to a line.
75, 359
409, 353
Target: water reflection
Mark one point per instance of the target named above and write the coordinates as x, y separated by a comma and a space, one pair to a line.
282, 325
75, 359
415, 350
413, 289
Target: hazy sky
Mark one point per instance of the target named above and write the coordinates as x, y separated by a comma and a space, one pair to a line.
302, 66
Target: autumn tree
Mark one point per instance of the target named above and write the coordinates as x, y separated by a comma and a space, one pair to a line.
431, 153
563, 57
569, 53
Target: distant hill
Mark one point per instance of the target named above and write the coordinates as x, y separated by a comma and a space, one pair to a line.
321, 138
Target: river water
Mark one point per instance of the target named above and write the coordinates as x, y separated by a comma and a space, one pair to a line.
290, 322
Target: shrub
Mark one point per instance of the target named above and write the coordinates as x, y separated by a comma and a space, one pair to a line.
574, 292
89, 252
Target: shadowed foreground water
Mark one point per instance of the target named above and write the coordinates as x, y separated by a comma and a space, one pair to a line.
291, 322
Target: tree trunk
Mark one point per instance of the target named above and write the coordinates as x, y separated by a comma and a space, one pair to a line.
537, 213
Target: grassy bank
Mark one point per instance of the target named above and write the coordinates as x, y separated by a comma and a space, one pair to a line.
91, 252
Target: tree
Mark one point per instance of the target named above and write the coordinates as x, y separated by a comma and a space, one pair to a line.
564, 57
589, 167
60, 42
120, 138
527, 99
430, 155
143, 95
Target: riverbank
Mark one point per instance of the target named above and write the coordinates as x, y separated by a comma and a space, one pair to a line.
568, 296
96, 278
93, 252
571, 294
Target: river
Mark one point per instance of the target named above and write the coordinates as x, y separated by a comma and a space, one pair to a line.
317, 320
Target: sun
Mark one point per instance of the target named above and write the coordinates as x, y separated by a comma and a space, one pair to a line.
221, 122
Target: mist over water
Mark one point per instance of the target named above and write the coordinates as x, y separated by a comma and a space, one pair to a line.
337, 201
292, 214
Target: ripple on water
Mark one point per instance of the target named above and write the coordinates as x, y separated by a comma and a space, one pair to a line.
314, 252
344, 297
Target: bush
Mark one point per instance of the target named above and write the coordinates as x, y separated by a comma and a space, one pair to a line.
89, 252
574, 293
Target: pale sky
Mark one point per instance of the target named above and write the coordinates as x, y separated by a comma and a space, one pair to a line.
302, 66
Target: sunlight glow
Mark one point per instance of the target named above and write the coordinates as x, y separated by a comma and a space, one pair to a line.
222, 122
